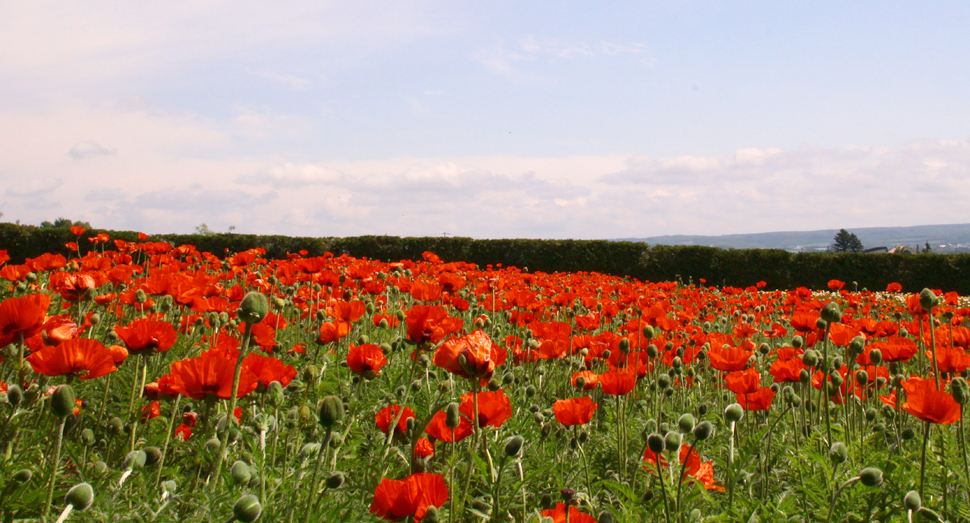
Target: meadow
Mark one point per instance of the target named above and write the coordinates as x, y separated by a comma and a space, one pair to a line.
155, 382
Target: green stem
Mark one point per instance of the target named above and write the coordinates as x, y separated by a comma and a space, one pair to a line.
922, 459
316, 469
54, 463
243, 352
836, 497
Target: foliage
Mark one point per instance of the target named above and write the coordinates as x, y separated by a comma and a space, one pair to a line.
845, 241
63, 223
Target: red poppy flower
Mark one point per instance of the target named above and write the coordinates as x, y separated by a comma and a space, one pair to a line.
430, 323
269, 369
24, 315
743, 381
388, 414
758, 400
333, 331
591, 378
426, 291
836, 285
366, 360
805, 320
494, 408
83, 357
151, 411
474, 356
438, 428
395, 500
574, 411
895, 349
787, 370
147, 337
728, 359
618, 383
208, 374
929, 404
950, 360
424, 448
558, 515
894, 287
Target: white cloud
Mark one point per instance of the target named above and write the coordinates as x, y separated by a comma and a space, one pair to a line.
82, 150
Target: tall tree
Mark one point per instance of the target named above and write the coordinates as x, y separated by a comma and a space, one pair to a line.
845, 241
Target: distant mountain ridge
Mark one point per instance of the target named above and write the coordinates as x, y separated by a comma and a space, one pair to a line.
941, 238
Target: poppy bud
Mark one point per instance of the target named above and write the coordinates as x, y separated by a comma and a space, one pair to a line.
62, 401
908, 434
247, 509
514, 445
959, 390
80, 497
452, 417
702, 409
240, 473
545, 501
703, 430
912, 501
331, 411
672, 441
875, 356
212, 445
23, 476
335, 480
648, 332
140, 296
275, 391
100, 468
253, 308
870, 414
431, 516
663, 381
686, 423
857, 344
656, 443
652, 351
15, 395
605, 517
871, 477
929, 514
862, 378
928, 299
530, 391
607, 354
797, 342
624, 345
887, 412
152, 455
838, 453
136, 459
831, 312
733, 413
810, 358
580, 382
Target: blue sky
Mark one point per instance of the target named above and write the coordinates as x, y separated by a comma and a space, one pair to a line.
485, 119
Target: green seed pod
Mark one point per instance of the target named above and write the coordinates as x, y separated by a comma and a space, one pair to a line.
530, 391
821, 324
605, 517
672, 441
857, 344
624, 345
15, 395
152, 455
212, 446
115, 426
702, 409
335, 480
871, 414
686, 423
452, 416
23, 476
87, 437
80, 497
912, 501
240, 473
928, 299
831, 312
135, 459
875, 356
797, 341
838, 453
960, 390
431, 516
100, 468
254, 307
862, 378
871, 477
331, 411
908, 434
545, 501
810, 358
62, 401
733, 413
169, 486
930, 514
247, 509
703, 430
656, 443
663, 381
513, 446
648, 333
140, 296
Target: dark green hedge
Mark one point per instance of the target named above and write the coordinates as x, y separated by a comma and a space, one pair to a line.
734, 267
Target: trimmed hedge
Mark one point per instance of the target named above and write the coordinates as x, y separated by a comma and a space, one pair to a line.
727, 267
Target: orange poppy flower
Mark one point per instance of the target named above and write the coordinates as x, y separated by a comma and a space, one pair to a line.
269, 369
894, 287
592, 379
558, 515
208, 374
395, 500
618, 383
494, 408
426, 291
438, 428
147, 337
83, 357
574, 411
386, 416
474, 356
366, 360
430, 323
895, 349
331, 331
743, 381
950, 360
929, 404
836, 285
759, 400
786, 370
24, 315
728, 359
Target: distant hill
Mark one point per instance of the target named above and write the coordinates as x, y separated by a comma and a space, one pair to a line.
942, 238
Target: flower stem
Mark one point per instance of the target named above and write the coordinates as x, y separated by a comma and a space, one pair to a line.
243, 352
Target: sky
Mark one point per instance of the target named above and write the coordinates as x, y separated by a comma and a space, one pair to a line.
497, 119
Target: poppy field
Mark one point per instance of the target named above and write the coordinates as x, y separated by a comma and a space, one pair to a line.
153, 382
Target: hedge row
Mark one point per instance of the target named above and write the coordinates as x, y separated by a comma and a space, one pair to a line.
722, 267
